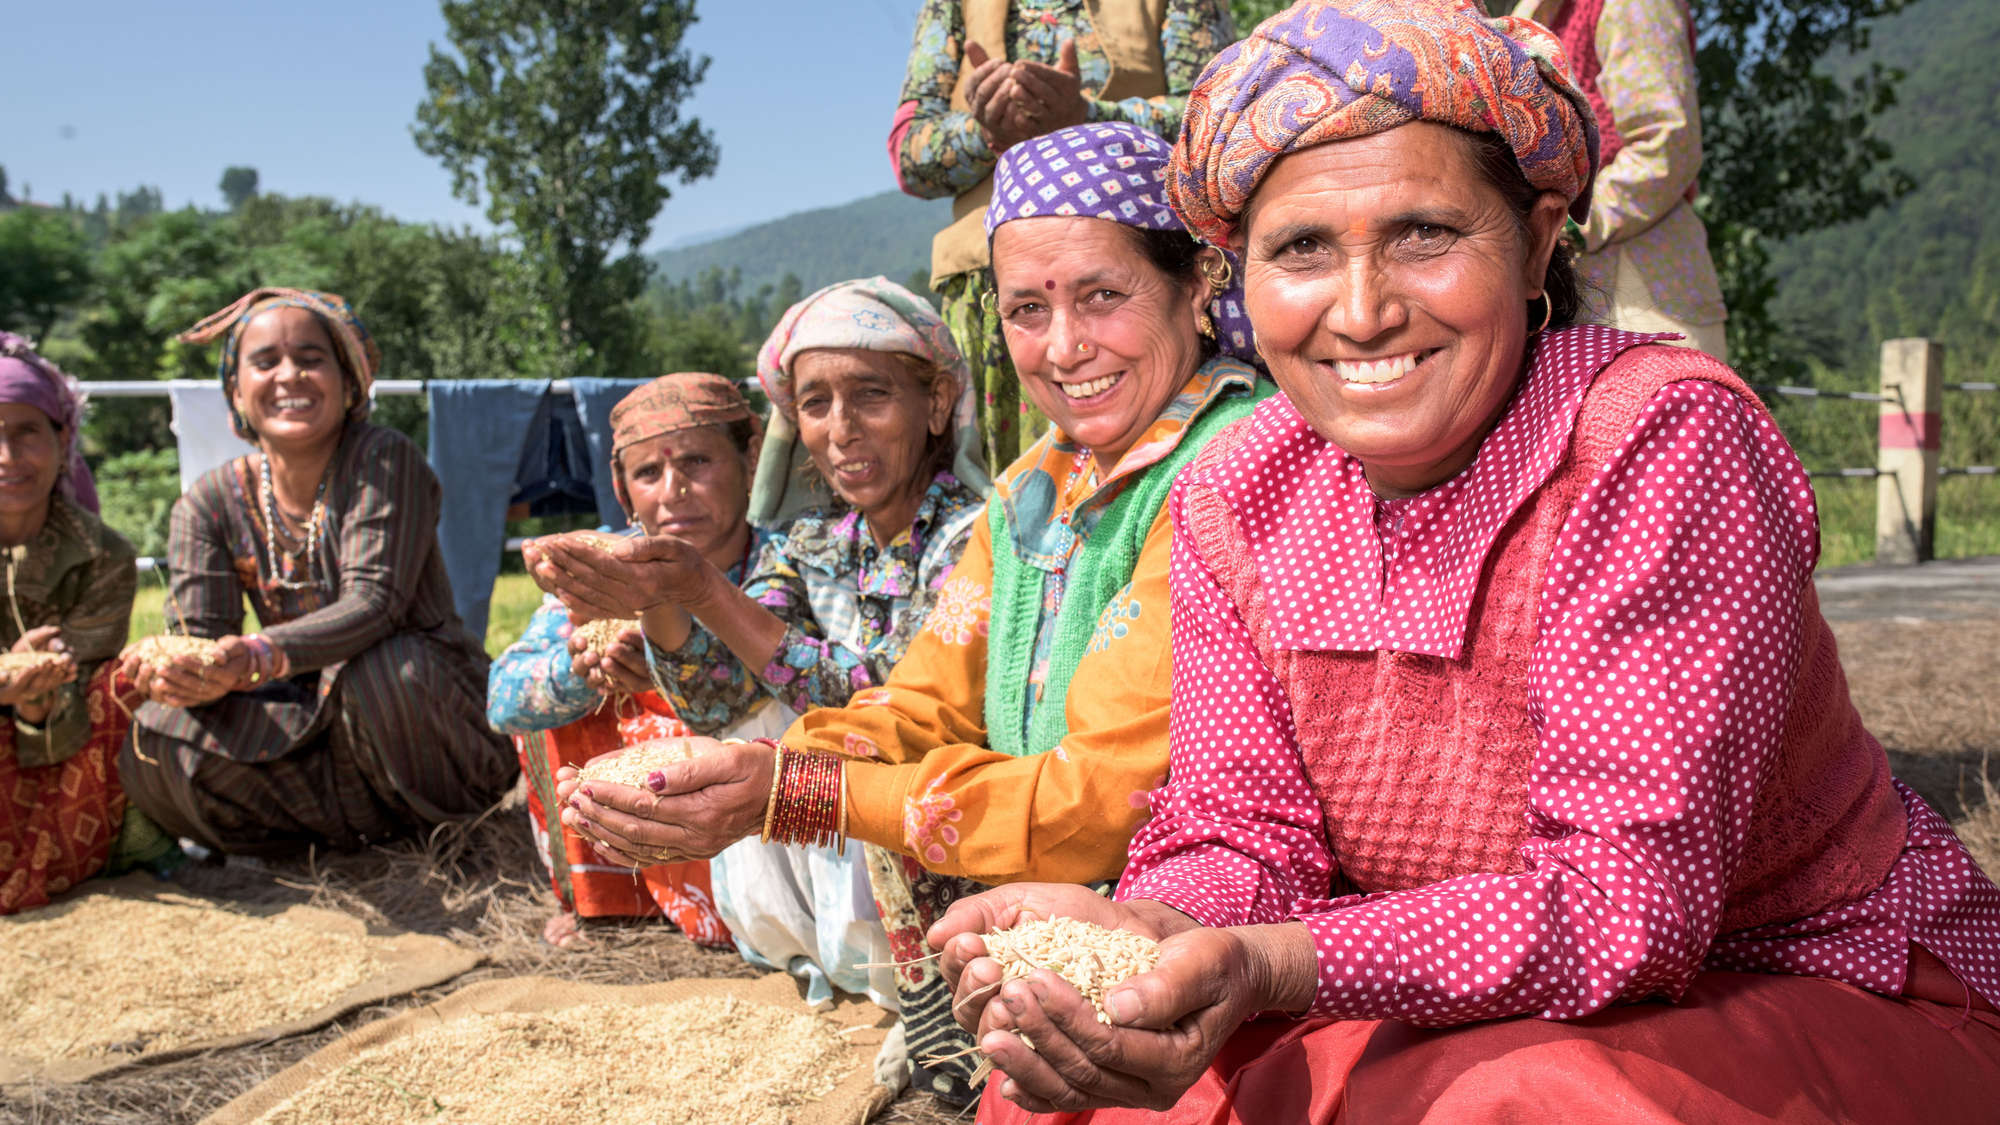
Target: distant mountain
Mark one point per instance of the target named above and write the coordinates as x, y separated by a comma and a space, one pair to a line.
1929, 265
889, 234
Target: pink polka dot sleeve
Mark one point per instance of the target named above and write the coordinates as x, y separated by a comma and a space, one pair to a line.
1668, 641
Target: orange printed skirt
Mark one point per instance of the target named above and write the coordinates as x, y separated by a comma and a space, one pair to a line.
584, 883
58, 822
1739, 1048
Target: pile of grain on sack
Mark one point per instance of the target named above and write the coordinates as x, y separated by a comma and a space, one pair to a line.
1087, 955
632, 765
698, 1061
163, 648
105, 974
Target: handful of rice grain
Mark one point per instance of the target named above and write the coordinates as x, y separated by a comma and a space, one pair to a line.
163, 648
22, 663
1085, 954
639, 760
602, 634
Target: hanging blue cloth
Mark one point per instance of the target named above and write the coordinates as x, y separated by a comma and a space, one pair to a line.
594, 399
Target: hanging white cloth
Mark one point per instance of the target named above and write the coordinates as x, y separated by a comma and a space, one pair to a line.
202, 429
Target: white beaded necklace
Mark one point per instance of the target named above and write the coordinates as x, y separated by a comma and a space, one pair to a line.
275, 526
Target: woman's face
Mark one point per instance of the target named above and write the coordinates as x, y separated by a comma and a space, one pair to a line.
1388, 283
289, 385
31, 458
866, 419
1101, 339
693, 484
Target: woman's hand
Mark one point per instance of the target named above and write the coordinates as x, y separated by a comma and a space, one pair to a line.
618, 670
189, 680
690, 810
28, 692
1041, 98
596, 581
1169, 1023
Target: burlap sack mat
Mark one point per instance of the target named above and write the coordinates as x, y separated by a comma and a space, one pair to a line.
409, 962
853, 1102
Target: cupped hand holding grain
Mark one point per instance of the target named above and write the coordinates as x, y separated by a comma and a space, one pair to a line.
621, 578
188, 680
1167, 1024
619, 668
701, 806
39, 663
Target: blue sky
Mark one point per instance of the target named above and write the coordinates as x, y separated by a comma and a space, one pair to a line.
98, 96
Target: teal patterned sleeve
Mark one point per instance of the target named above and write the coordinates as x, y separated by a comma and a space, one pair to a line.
943, 154
531, 685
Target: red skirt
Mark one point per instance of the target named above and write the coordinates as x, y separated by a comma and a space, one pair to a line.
1738, 1048
57, 823
584, 883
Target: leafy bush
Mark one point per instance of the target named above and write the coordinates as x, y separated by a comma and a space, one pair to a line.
137, 492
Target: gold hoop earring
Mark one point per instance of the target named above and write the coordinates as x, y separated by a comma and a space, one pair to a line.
1218, 274
1548, 313
989, 302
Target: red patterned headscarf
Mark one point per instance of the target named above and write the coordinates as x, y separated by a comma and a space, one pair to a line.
1330, 70
358, 353
680, 401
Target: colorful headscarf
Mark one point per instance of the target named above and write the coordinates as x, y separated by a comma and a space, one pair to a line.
1107, 170
1327, 71
27, 378
874, 314
358, 353
682, 400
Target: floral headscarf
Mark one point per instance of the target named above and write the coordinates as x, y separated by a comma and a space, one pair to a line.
1107, 170
358, 353
27, 378
874, 314
1329, 70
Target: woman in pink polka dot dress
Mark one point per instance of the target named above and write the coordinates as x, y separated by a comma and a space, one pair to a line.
1514, 776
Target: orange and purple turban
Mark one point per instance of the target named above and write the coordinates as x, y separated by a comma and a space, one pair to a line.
358, 353
1324, 71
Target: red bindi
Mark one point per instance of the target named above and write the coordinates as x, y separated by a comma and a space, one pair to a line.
1048, 285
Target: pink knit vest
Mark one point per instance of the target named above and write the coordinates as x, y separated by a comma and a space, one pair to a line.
1422, 764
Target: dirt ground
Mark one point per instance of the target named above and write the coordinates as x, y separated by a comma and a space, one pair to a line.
1921, 662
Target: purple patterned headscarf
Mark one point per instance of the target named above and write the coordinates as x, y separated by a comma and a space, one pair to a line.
27, 378
1107, 170
1324, 71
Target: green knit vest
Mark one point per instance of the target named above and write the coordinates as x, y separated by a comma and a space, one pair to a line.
1096, 574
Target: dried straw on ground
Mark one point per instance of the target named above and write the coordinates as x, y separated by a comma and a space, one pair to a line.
21, 663
1087, 955
109, 974
695, 1061
165, 647
632, 765
599, 636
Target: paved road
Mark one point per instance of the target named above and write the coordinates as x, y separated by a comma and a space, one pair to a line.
1936, 591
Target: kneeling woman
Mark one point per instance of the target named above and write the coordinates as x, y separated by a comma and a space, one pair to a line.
358, 712
1502, 697
69, 586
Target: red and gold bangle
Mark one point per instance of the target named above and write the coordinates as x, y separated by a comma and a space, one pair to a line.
808, 809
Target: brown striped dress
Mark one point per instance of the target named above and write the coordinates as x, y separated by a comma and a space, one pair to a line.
380, 727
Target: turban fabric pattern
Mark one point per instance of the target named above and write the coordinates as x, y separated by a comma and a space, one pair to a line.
357, 349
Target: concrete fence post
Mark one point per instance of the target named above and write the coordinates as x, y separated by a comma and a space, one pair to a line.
1907, 454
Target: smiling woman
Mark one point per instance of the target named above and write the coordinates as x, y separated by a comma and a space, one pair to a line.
357, 713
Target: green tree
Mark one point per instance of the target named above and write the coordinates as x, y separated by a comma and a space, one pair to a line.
569, 115
239, 185
44, 269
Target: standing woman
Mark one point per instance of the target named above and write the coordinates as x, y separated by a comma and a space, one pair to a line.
69, 584
358, 713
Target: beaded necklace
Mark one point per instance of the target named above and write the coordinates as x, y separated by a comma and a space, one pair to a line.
275, 527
